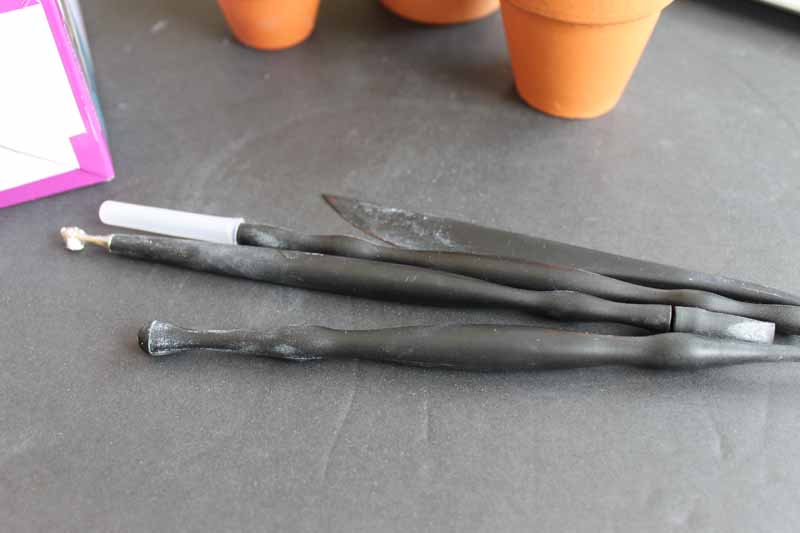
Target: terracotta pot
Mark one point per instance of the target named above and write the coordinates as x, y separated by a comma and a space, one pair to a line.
270, 24
574, 59
442, 11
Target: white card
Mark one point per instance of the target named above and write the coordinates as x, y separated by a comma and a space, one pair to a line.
38, 111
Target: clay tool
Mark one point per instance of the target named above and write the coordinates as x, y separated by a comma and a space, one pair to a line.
469, 347
408, 229
530, 275
403, 283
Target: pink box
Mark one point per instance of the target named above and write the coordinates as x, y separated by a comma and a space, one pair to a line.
51, 133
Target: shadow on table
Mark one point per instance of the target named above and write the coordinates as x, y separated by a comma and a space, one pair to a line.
469, 58
463, 63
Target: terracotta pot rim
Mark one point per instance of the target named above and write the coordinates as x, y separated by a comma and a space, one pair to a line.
451, 20
603, 12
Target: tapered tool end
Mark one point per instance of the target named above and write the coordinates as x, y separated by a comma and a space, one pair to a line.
162, 338
144, 337
702, 322
75, 239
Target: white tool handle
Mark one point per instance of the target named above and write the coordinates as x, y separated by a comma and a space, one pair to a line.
169, 222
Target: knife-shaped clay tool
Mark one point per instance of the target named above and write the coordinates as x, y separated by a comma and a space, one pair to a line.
390, 281
505, 271
469, 347
408, 229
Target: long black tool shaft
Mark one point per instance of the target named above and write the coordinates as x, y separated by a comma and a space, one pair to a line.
390, 281
469, 347
382, 281
517, 273
408, 229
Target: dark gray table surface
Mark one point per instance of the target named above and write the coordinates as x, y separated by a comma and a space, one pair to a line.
699, 166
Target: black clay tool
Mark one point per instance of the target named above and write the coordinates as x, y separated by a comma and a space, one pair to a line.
408, 229
469, 347
504, 271
390, 281
517, 273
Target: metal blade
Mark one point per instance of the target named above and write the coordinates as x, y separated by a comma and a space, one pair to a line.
419, 231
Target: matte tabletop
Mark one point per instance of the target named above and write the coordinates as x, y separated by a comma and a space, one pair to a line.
698, 167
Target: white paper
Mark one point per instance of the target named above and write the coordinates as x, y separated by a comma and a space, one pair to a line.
792, 5
38, 112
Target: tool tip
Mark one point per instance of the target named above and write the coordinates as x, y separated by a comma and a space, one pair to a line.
700, 321
159, 338
144, 337
336, 201
753, 331
75, 239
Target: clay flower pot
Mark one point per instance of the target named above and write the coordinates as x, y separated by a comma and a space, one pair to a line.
270, 24
574, 59
442, 11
